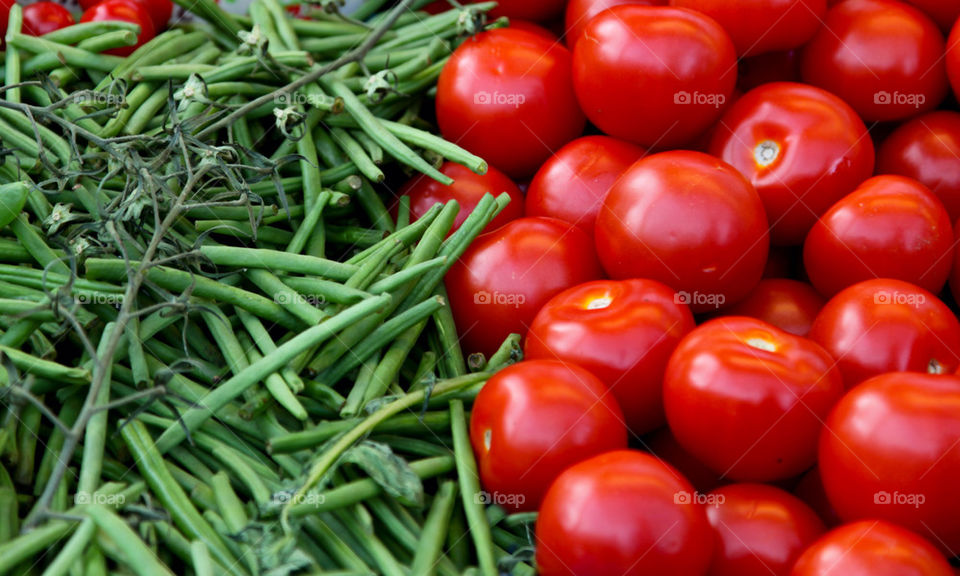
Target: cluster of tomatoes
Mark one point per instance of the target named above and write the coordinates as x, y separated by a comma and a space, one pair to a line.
45, 16
740, 354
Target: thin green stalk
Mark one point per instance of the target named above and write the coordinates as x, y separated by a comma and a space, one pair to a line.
469, 488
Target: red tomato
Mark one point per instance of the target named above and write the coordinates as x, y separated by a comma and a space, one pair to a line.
44, 17
621, 331
810, 489
953, 58
507, 95
927, 149
761, 530
767, 68
572, 184
622, 513
4, 14
654, 75
759, 26
467, 189
943, 13
802, 148
893, 453
889, 227
506, 276
534, 419
688, 220
955, 273
871, 548
127, 11
528, 26
886, 325
787, 304
664, 446
160, 10
748, 399
883, 57
580, 12
536, 10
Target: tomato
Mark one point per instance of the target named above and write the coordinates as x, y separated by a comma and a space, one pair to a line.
161, 10
580, 12
528, 26
523, 9
654, 75
4, 14
507, 96
126, 11
534, 419
572, 184
506, 276
943, 13
43, 17
467, 189
760, 530
953, 58
884, 325
893, 452
759, 26
748, 399
802, 148
769, 67
883, 57
871, 548
810, 489
688, 220
889, 227
927, 149
955, 272
787, 304
622, 513
621, 331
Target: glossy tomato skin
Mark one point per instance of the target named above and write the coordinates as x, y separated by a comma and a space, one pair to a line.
127, 11
885, 325
927, 149
623, 331
953, 58
790, 305
760, 26
4, 14
467, 189
889, 227
884, 58
507, 96
688, 220
506, 276
623, 513
871, 548
534, 419
760, 530
893, 453
945, 14
43, 17
732, 394
579, 12
654, 75
572, 184
801, 147
160, 12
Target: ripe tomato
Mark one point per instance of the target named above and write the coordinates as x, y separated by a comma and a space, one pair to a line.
467, 189
767, 68
802, 148
893, 452
688, 220
871, 548
884, 325
927, 149
789, 305
523, 9
654, 75
572, 184
889, 227
4, 14
622, 513
534, 419
44, 17
759, 26
580, 12
127, 11
943, 13
748, 399
883, 57
506, 276
621, 331
507, 95
810, 489
761, 530
161, 10
953, 58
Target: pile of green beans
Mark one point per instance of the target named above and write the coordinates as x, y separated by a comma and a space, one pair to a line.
226, 347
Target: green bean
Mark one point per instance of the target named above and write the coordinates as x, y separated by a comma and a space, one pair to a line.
46, 368
230, 507
12, 63
311, 221
200, 554
95, 434
434, 531
134, 553
72, 56
469, 488
357, 154
21, 142
33, 242
30, 420
371, 203
276, 385
49, 60
295, 303
9, 520
381, 556
281, 20
277, 261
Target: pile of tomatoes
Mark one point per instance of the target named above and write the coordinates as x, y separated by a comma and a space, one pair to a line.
730, 252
